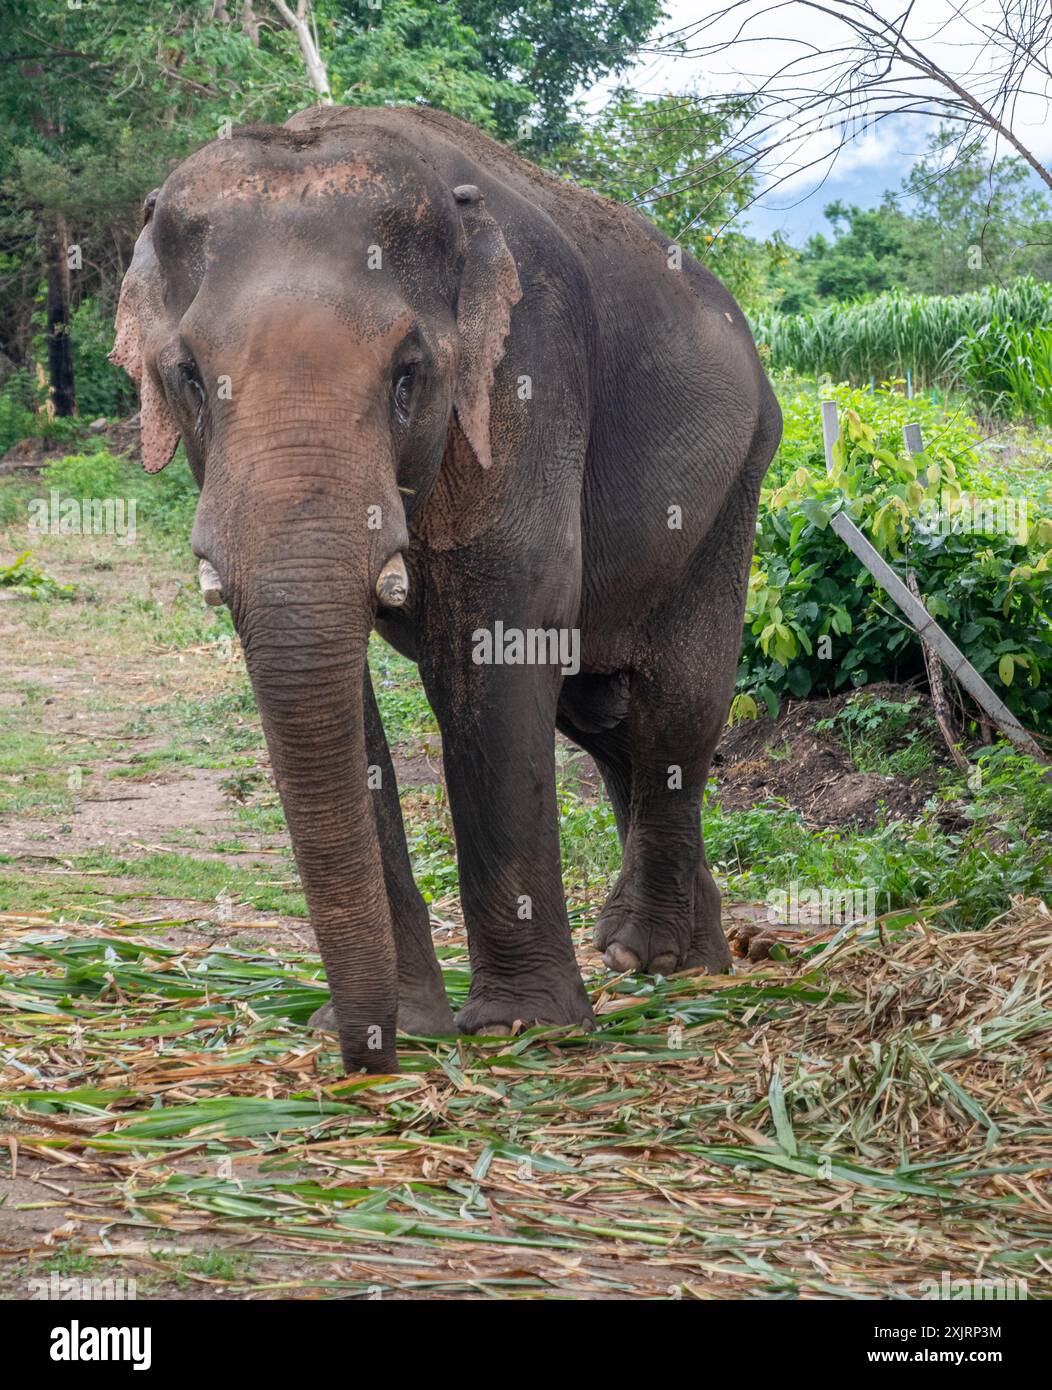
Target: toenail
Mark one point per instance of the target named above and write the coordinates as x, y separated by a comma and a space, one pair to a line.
621, 959
663, 964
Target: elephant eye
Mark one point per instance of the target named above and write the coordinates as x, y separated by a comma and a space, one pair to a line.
188, 372
403, 391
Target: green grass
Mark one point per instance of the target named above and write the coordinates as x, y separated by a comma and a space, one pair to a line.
227, 1268
181, 876
892, 738
160, 874
399, 694
1004, 848
1007, 368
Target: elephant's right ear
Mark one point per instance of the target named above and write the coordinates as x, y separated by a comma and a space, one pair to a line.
489, 288
142, 326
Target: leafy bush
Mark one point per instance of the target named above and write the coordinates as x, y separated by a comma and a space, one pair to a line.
18, 403
24, 577
166, 501
888, 737
1003, 850
816, 620
1015, 791
22, 415
102, 388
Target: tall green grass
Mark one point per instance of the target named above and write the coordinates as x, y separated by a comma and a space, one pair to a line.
996, 344
1007, 368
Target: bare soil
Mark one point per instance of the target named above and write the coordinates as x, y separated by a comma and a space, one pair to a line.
787, 759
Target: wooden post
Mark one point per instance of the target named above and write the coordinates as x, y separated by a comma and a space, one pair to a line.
911, 433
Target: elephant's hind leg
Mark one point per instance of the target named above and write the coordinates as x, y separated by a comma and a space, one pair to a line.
664, 911
423, 1008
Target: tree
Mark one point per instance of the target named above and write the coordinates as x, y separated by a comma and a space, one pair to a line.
97, 103
302, 23
972, 221
511, 66
552, 50
419, 52
865, 255
664, 157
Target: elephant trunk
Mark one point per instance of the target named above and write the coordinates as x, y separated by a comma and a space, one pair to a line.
301, 578
306, 658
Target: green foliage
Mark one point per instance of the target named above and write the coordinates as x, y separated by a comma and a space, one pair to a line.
883, 736
972, 221
433, 855
864, 257
590, 848
958, 222
165, 501
399, 692
887, 336
24, 577
552, 51
1014, 790
18, 417
22, 415
663, 157
1007, 368
410, 51
817, 621
1004, 850
102, 388
107, 97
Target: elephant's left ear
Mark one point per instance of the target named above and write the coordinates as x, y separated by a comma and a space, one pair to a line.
142, 325
489, 288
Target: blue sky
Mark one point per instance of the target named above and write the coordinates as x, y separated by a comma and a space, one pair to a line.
797, 211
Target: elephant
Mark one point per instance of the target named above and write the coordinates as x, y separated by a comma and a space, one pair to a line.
428, 389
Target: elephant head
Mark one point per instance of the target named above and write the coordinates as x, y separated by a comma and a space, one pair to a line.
320, 317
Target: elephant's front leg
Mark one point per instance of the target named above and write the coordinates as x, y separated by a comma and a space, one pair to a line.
423, 1007
498, 744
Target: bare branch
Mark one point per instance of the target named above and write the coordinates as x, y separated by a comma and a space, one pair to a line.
301, 24
856, 68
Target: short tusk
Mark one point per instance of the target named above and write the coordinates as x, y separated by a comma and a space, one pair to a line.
392, 586
211, 584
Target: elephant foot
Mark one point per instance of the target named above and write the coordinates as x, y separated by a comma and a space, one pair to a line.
424, 1016
495, 1009
659, 939
323, 1020
421, 1017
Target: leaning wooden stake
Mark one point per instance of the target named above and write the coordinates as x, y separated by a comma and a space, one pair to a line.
914, 440
928, 630
940, 705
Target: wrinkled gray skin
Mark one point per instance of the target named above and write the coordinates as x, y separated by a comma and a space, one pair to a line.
520, 389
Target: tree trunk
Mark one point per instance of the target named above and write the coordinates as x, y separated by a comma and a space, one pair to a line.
307, 38
59, 343
249, 22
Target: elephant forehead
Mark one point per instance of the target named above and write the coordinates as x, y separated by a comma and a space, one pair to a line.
229, 216
242, 172
272, 320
